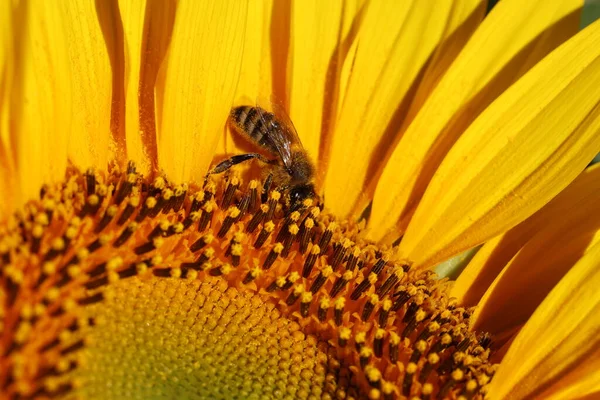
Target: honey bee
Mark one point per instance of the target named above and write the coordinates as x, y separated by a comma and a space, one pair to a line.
291, 171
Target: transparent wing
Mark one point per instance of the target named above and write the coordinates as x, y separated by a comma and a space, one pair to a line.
282, 135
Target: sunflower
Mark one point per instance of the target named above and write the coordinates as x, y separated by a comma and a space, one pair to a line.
127, 272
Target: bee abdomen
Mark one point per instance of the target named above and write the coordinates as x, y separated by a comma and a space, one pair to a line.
251, 121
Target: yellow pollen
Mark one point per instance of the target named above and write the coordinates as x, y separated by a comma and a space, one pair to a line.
315, 250
373, 374
150, 202
427, 389
141, 268
388, 388
411, 368
175, 272
433, 358
471, 385
421, 346
298, 289
159, 182
58, 244
233, 212
93, 199
457, 375
293, 229
71, 232
278, 248
309, 223
315, 212
236, 249
275, 195
294, 276
360, 337
114, 263
269, 226
158, 242
306, 297
74, 271
345, 333
49, 268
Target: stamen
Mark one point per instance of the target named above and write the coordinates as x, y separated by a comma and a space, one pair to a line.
363, 286
268, 227
305, 234
207, 213
310, 261
321, 279
340, 284
127, 232
273, 254
232, 187
132, 204
326, 237
257, 218
232, 214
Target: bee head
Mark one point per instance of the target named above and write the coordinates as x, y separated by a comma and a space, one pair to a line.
300, 193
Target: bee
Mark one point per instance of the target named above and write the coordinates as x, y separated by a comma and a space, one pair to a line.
291, 169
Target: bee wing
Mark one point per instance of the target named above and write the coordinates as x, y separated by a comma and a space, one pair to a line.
283, 134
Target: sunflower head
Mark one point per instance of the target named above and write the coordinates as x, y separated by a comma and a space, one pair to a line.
147, 250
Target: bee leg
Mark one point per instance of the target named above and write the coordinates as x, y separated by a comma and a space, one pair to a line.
266, 187
230, 162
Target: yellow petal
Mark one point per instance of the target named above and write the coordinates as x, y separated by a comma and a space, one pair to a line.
196, 90
7, 161
258, 63
537, 267
89, 77
132, 14
557, 353
60, 98
316, 29
513, 38
495, 254
517, 155
463, 22
393, 42
147, 29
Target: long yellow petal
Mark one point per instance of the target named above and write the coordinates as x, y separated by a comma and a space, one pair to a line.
536, 269
319, 32
89, 76
495, 254
260, 60
513, 38
60, 98
517, 155
393, 42
133, 17
464, 20
7, 161
557, 353
198, 84
316, 29
147, 29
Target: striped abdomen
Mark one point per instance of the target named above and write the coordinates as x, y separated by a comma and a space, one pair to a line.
256, 124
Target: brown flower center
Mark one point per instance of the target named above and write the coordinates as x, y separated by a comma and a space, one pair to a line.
76, 263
